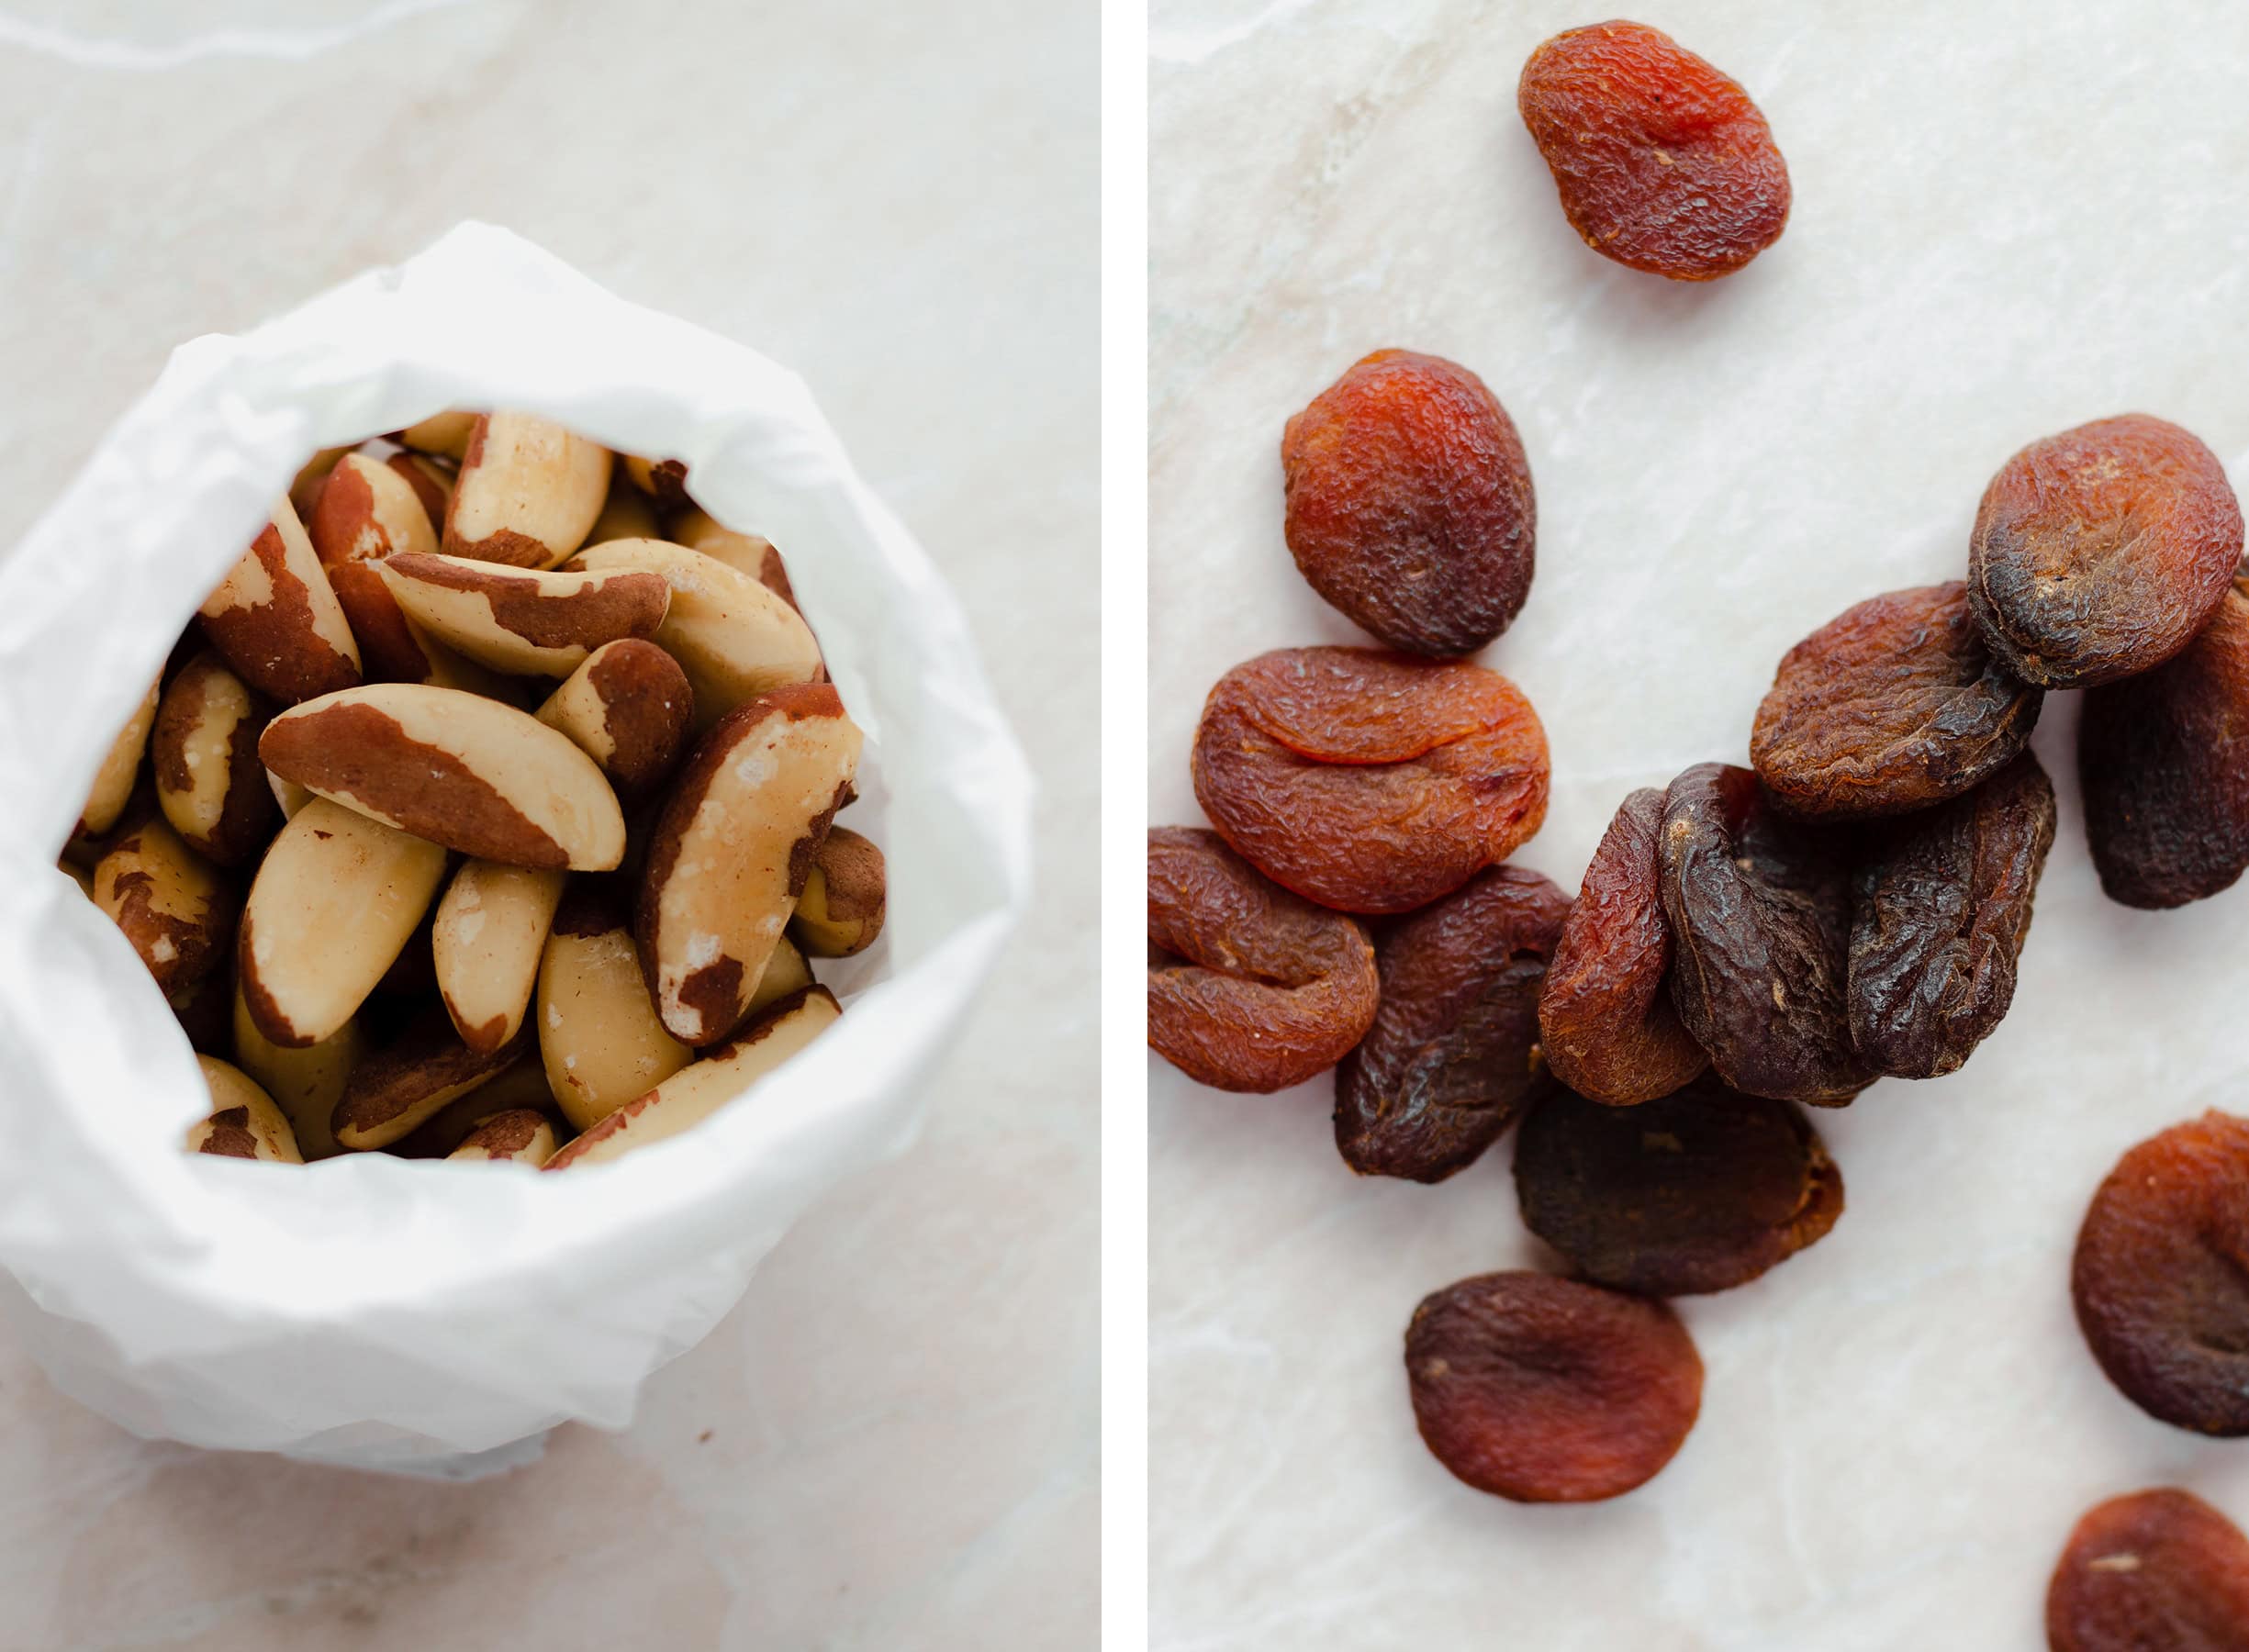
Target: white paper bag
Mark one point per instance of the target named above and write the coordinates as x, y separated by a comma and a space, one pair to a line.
368, 1310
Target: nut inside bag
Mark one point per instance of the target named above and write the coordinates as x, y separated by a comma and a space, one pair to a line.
427, 1315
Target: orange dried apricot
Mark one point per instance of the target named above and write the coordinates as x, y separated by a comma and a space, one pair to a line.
2156, 1571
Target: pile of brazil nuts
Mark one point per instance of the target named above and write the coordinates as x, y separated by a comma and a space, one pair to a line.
486, 809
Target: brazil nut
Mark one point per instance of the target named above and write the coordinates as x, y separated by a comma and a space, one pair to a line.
598, 1036
174, 906
840, 911
528, 492
276, 620
113, 782
491, 930
529, 621
204, 752
406, 1081
304, 1083
243, 1122
521, 1135
627, 708
750, 554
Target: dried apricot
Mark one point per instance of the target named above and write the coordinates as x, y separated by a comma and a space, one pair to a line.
1760, 912
2161, 1276
1699, 1191
1605, 1020
2156, 1571
1940, 912
1409, 503
1547, 1390
1368, 781
1250, 987
1452, 1054
1894, 705
1663, 163
2101, 551
2166, 796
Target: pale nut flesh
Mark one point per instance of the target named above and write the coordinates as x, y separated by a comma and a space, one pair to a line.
203, 753
173, 905
275, 617
290, 795
733, 849
113, 782
598, 1036
840, 911
695, 1092
244, 1122
444, 434
628, 707
304, 1083
528, 492
519, 1135
750, 554
529, 621
733, 638
490, 930
334, 902
627, 513
406, 1082
458, 769
785, 972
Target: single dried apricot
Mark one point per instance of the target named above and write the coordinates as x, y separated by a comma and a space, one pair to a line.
1605, 1020
1699, 1191
1941, 913
2101, 551
1249, 986
1368, 781
2161, 1275
1452, 1053
1663, 163
1547, 1390
1760, 912
1409, 503
2166, 795
1892, 704
2156, 1571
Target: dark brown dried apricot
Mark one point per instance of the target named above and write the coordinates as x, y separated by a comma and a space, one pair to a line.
1760, 912
1605, 1020
1940, 910
1250, 987
1894, 705
2159, 757
1452, 1054
2156, 1571
1409, 503
1368, 781
1547, 1390
2161, 1276
1699, 1191
2099, 553
1663, 163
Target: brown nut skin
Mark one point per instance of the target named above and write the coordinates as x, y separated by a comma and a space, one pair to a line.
2167, 796
275, 617
203, 751
628, 707
528, 492
304, 486
1251, 989
1759, 915
1699, 1191
2161, 1276
839, 913
1409, 503
521, 1135
243, 1122
1540, 1389
173, 905
431, 479
368, 511
1367, 781
663, 480
201, 1007
406, 1082
2099, 553
1607, 1024
1663, 164
525, 620
113, 782
1452, 1053
1894, 705
2155, 1571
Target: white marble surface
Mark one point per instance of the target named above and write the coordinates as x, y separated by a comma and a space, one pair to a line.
2008, 218
892, 1442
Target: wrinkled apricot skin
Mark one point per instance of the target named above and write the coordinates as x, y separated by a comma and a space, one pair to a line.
1605, 1020
2166, 793
1697, 1192
1894, 705
1540, 1389
2099, 553
1250, 987
1452, 1053
1367, 781
1760, 912
2161, 1276
2154, 1570
1663, 163
1409, 503
1941, 911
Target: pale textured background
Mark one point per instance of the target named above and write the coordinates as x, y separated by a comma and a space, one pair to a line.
2010, 219
892, 1442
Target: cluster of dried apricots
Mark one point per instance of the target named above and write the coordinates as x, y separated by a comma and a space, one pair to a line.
1849, 907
